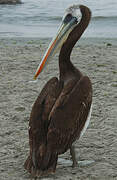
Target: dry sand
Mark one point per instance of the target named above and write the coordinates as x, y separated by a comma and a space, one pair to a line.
18, 61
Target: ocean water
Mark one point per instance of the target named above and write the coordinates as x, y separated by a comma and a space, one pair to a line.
41, 18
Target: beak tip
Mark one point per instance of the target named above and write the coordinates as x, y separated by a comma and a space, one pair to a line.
35, 77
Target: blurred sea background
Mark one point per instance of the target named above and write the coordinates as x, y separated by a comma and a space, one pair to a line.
41, 18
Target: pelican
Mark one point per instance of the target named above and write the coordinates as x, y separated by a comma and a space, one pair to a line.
62, 111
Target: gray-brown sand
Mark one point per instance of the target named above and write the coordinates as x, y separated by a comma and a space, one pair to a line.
19, 59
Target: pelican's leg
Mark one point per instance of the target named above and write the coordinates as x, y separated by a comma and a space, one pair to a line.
73, 155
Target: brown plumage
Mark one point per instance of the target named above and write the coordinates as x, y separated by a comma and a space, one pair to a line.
61, 110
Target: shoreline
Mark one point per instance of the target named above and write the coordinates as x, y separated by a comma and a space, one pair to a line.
83, 40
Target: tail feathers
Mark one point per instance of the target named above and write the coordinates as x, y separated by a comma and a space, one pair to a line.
41, 161
34, 159
28, 164
46, 160
43, 157
49, 161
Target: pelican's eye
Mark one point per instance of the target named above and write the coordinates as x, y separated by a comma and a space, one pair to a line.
68, 18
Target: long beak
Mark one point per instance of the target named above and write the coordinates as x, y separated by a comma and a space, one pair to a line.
56, 43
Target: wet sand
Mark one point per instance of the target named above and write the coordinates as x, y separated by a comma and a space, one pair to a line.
97, 149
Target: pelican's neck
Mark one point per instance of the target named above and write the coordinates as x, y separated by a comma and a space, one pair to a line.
65, 64
67, 70
76, 33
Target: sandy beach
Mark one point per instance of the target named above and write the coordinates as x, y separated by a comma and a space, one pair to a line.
97, 149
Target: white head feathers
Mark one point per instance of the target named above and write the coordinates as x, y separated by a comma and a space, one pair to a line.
74, 10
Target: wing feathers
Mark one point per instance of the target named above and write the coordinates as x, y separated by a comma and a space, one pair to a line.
69, 115
38, 123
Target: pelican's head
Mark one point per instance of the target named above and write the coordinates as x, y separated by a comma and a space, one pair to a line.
70, 19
